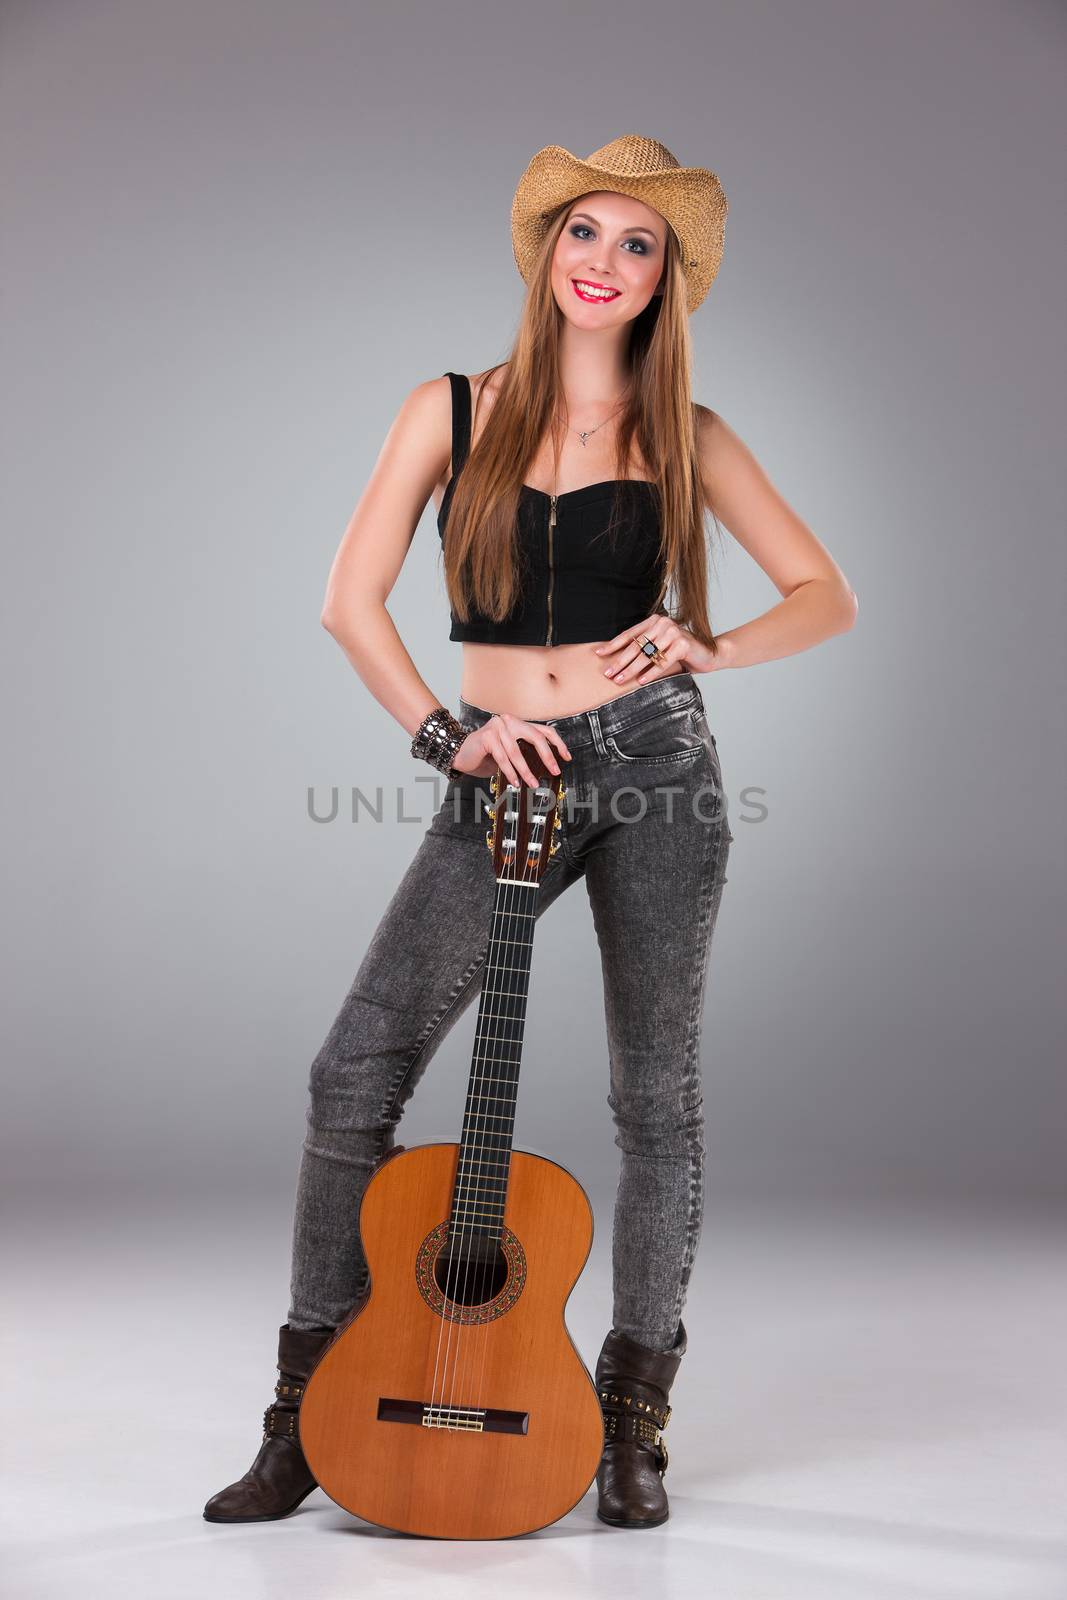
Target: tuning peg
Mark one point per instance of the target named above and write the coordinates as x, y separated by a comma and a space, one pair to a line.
492, 784
489, 837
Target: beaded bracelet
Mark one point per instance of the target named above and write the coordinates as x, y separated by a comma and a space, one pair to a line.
437, 739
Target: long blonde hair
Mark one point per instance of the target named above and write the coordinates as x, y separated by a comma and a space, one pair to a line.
481, 548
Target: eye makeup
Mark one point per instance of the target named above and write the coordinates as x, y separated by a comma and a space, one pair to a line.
645, 248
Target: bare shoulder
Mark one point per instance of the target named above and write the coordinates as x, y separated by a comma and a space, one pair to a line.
741, 493
422, 428
717, 443
489, 380
420, 435
728, 467
428, 401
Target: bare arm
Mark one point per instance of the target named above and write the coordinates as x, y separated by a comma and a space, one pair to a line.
378, 537
413, 457
819, 600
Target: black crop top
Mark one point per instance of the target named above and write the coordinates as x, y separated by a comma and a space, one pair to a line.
577, 587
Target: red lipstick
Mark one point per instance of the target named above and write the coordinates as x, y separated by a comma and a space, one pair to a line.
594, 299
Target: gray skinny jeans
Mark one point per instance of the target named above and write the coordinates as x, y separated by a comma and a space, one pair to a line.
644, 822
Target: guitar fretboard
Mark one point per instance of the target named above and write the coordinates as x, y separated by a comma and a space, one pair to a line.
480, 1192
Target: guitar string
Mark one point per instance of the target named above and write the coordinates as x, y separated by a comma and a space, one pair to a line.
466, 1187
467, 1340
463, 1191
493, 1014
533, 852
508, 899
510, 905
444, 1332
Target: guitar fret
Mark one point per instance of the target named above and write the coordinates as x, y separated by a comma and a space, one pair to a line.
485, 1154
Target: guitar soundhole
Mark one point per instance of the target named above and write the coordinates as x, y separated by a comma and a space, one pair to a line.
472, 1272
483, 1281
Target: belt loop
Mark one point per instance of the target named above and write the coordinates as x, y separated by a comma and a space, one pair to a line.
598, 736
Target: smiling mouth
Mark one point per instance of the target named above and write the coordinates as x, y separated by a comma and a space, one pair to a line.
594, 291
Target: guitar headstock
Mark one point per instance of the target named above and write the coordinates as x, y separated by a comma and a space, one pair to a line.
525, 820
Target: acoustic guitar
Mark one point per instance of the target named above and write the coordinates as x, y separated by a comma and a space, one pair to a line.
452, 1401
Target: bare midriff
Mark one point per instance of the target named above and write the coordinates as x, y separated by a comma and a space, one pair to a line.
537, 682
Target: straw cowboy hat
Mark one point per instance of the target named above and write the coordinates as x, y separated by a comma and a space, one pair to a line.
691, 199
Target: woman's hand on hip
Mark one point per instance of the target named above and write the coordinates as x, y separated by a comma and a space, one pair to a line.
627, 662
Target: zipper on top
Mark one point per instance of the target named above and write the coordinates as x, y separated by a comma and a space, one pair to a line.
551, 569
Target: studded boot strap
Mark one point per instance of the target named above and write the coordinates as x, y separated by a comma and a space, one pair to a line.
631, 1416
279, 1421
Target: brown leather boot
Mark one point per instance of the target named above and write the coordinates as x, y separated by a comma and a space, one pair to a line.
279, 1479
634, 1383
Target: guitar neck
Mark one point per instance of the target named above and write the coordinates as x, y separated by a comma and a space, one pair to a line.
480, 1192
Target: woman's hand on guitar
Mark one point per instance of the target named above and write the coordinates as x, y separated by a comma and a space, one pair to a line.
495, 746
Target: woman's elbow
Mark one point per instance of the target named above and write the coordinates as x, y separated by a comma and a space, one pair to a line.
341, 617
336, 615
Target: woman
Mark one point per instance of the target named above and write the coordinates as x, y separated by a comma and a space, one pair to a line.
571, 483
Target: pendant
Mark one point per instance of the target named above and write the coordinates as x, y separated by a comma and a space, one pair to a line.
584, 436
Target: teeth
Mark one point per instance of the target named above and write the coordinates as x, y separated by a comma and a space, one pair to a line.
601, 294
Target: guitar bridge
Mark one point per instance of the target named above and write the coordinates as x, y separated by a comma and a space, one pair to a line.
456, 1419
459, 1417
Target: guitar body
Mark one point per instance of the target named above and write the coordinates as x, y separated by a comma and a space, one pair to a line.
467, 1414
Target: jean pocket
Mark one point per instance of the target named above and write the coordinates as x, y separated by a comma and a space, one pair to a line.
660, 740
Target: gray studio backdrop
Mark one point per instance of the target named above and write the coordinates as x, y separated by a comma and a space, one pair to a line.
236, 235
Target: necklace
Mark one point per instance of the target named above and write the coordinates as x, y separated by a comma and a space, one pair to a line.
589, 431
